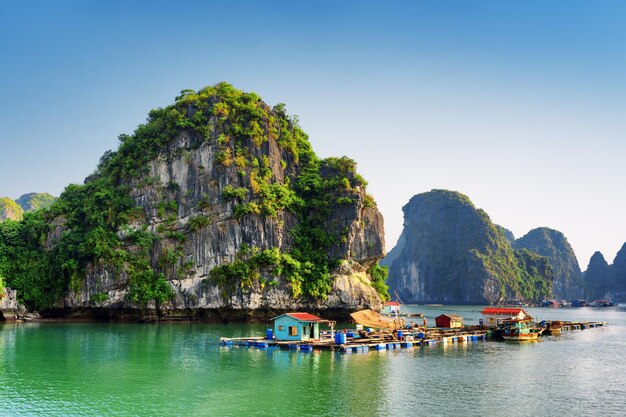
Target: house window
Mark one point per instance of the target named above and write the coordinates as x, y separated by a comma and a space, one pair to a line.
281, 328
305, 330
293, 330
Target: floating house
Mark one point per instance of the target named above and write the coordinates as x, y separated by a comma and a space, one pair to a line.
449, 321
392, 308
297, 327
493, 316
550, 303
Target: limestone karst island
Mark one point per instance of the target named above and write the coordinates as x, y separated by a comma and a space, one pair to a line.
216, 207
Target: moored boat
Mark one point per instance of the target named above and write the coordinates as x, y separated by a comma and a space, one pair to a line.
602, 303
553, 327
519, 330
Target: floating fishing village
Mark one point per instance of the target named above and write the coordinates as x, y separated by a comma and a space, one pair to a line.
390, 330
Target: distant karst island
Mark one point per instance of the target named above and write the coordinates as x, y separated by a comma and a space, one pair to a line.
450, 252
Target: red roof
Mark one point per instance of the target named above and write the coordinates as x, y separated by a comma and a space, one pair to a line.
301, 316
501, 310
392, 303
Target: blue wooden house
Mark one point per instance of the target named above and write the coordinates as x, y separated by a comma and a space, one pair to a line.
297, 327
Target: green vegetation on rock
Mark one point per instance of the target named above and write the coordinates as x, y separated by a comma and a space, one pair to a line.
26, 266
311, 196
379, 276
249, 265
239, 118
534, 275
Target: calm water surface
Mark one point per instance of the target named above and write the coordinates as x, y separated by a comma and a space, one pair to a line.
180, 369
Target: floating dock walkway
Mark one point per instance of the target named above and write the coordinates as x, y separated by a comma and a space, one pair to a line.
582, 325
557, 327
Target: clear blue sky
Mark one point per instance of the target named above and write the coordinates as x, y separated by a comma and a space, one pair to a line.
518, 104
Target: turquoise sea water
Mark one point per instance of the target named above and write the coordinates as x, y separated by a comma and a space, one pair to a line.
180, 369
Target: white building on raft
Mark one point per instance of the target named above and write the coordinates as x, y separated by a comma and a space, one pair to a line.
493, 316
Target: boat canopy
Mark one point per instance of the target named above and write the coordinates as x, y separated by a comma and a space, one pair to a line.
369, 318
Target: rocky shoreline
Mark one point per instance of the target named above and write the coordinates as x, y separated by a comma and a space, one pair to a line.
101, 315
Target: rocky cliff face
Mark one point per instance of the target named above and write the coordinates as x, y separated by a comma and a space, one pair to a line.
9, 209
598, 277
10, 308
218, 207
554, 245
199, 194
451, 252
619, 270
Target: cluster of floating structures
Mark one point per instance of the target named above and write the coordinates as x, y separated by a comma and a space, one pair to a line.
553, 303
577, 303
301, 331
374, 331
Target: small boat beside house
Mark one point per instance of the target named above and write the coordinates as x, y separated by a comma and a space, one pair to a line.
370, 318
552, 328
519, 330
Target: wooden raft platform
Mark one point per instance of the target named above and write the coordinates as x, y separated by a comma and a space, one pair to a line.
582, 325
575, 325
